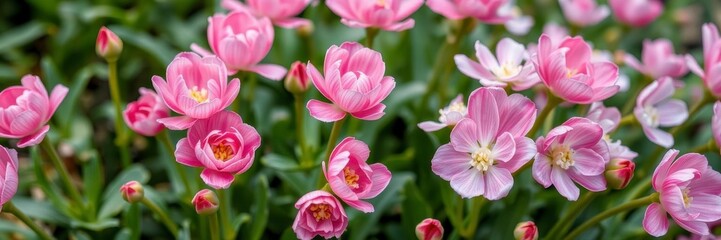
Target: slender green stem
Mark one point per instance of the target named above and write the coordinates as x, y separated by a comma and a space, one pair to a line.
164, 138
252, 83
641, 83
334, 134
613, 211
121, 140
132, 221
551, 104
162, 215
571, 214
705, 100
214, 226
49, 150
371, 34
706, 147
627, 120
224, 213
473, 218
300, 130
10, 208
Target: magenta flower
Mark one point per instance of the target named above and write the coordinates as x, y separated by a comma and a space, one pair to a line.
281, 12
450, 116
108, 45
25, 110
353, 82
429, 229
196, 88
636, 13
716, 123
658, 60
712, 59
689, 190
351, 178
572, 152
242, 41
583, 12
205, 202
388, 15
222, 145
655, 108
486, 11
567, 70
142, 115
319, 213
8, 174
487, 146
609, 118
509, 68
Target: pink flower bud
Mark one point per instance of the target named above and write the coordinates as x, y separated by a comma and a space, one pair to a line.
132, 191
297, 80
429, 229
108, 45
205, 202
619, 173
526, 231
142, 115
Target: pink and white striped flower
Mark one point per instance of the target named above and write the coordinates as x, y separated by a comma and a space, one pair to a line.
658, 60
583, 12
716, 123
8, 174
486, 11
609, 118
450, 116
711, 73
655, 108
510, 66
388, 15
281, 12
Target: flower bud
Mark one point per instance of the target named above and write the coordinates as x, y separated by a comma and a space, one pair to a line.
297, 80
526, 231
205, 202
108, 45
619, 173
306, 30
132, 191
429, 229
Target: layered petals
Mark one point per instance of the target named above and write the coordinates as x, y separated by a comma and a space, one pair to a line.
142, 115
281, 12
655, 108
658, 60
508, 67
486, 11
319, 214
450, 116
583, 12
636, 13
389, 15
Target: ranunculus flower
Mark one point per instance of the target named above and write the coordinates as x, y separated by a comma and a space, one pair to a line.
132, 191
583, 12
353, 82
319, 213
567, 70
716, 123
609, 118
25, 110
108, 45
572, 152
711, 73
351, 178
636, 13
205, 202
486, 11
689, 190
8, 174
142, 115
658, 60
388, 15
508, 67
429, 229
196, 88
526, 231
281, 12
241, 40
450, 116
655, 108
488, 145
222, 145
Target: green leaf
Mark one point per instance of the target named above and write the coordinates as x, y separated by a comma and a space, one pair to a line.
52, 191
97, 226
10, 227
400, 96
21, 35
123, 234
79, 84
260, 210
414, 208
44, 211
93, 179
362, 225
113, 203
280, 163
162, 53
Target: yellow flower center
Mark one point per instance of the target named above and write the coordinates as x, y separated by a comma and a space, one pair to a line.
199, 96
686, 198
351, 178
562, 156
507, 70
481, 159
222, 151
320, 211
571, 72
381, 3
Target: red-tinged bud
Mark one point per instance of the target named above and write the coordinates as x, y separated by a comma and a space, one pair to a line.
619, 173
526, 231
297, 80
429, 229
205, 202
132, 191
108, 45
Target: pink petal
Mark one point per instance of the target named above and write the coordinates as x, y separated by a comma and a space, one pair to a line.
499, 182
525, 150
270, 71
505, 147
658, 136
200, 50
217, 180
707, 206
542, 170
324, 112
588, 162
573, 91
469, 183
592, 183
337, 162
510, 52
672, 113
185, 154
655, 221
380, 178
402, 26
292, 23
430, 126
661, 171
35, 138
56, 97
447, 162
693, 66
445, 8
464, 136
361, 205
177, 123
483, 109
371, 114
471, 68
700, 228
563, 184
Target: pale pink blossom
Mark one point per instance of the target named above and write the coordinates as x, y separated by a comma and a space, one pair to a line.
567, 70
488, 145
196, 88
711, 73
572, 152
486, 11
429, 229
716, 123
583, 12
281, 12
353, 82
517, 24
636, 13
241, 40
658, 60
26, 109
319, 213
450, 116
609, 118
351, 178
510, 66
222, 145
689, 190
655, 108
8, 174
389, 15
142, 115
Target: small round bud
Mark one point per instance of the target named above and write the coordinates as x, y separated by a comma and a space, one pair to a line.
619, 173
132, 191
297, 80
429, 229
108, 45
526, 231
205, 202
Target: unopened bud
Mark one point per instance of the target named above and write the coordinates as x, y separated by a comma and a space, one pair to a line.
619, 173
297, 80
108, 45
429, 229
132, 191
205, 202
526, 231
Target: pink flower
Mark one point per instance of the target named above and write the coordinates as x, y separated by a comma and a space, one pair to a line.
526, 231
132, 192
716, 123
655, 108
517, 24
25, 110
572, 152
281, 12
297, 81
353, 82
567, 70
583, 12
510, 67
142, 115
8, 174
429, 229
351, 178
658, 60
242, 41
205, 202
108, 45
637, 13
450, 116
319, 213
609, 118
689, 190
712, 59
223, 145
196, 88
487, 146
486, 11
384, 14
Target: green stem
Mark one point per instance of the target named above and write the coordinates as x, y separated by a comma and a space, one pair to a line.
164, 138
121, 140
571, 214
299, 130
707, 147
225, 214
10, 208
334, 133
162, 215
627, 120
371, 34
132, 221
613, 211
706, 99
49, 150
551, 104
214, 226
473, 218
